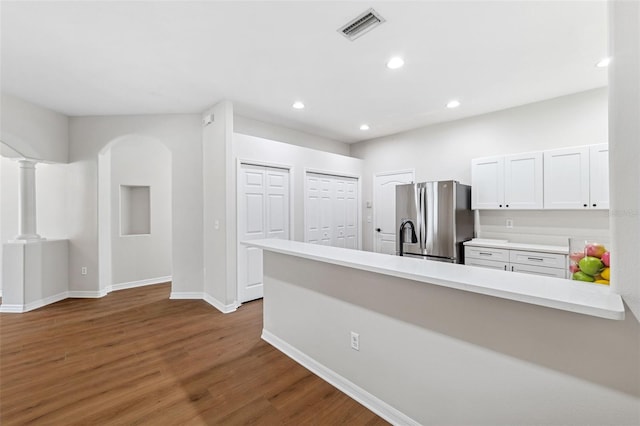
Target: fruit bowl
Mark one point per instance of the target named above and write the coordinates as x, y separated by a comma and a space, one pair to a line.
589, 261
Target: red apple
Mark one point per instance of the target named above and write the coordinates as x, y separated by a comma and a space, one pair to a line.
606, 258
595, 250
576, 256
574, 268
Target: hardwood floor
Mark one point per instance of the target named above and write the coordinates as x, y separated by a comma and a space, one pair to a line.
136, 357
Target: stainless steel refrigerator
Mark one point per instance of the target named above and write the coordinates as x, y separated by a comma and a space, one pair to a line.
433, 219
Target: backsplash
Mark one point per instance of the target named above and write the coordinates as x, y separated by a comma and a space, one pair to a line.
551, 227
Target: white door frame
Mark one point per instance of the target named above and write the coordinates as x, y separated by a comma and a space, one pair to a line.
373, 181
334, 174
259, 163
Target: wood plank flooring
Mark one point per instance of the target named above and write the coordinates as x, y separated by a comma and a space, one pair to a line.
136, 357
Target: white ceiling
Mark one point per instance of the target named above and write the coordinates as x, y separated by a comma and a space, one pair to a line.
102, 58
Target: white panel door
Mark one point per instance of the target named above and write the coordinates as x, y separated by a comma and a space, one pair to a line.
487, 183
566, 178
523, 181
331, 210
326, 211
384, 208
312, 210
339, 213
263, 212
351, 214
599, 176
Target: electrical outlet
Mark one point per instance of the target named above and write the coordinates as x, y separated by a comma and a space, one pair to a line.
83, 270
355, 341
509, 223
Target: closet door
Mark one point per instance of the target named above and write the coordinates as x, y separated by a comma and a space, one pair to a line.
339, 209
263, 212
351, 219
331, 211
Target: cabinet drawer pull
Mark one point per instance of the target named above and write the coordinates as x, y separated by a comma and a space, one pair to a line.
484, 253
505, 267
535, 258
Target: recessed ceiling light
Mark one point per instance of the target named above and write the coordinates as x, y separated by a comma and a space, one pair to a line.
395, 63
604, 62
364, 127
298, 105
453, 104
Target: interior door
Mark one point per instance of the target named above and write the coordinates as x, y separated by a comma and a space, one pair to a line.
263, 212
331, 210
351, 215
384, 208
339, 213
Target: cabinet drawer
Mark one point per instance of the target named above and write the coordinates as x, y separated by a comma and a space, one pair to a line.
491, 264
486, 253
539, 270
552, 260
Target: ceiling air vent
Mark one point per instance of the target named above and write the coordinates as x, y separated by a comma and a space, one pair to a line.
361, 25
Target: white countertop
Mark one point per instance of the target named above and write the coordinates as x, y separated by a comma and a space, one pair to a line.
585, 298
504, 244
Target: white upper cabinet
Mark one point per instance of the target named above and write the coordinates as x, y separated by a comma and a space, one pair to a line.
577, 178
566, 178
599, 176
523, 179
487, 183
507, 182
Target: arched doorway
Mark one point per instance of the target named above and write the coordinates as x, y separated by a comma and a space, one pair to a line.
134, 213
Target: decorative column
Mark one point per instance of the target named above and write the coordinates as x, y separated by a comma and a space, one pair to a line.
27, 208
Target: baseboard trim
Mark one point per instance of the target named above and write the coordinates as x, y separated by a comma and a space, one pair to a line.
225, 309
46, 301
11, 309
140, 283
19, 309
88, 294
186, 295
375, 404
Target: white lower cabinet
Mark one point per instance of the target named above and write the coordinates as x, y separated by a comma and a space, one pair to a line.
527, 262
484, 263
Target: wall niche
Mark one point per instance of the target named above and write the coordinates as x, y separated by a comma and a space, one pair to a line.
135, 210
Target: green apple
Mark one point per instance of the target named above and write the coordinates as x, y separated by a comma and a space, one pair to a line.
581, 276
590, 265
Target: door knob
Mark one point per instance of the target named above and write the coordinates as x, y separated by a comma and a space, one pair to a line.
378, 230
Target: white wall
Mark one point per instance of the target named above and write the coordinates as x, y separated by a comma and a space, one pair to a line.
181, 134
141, 162
444, 151
248, 126
33, 131
448, 357
624, 133
219, 212
37, 272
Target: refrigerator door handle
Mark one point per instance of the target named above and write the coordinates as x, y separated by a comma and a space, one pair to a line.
429, 213
418, 195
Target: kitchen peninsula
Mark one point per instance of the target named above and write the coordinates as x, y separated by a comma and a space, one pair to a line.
423, 342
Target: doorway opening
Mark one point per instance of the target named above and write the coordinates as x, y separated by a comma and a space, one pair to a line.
134, 213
